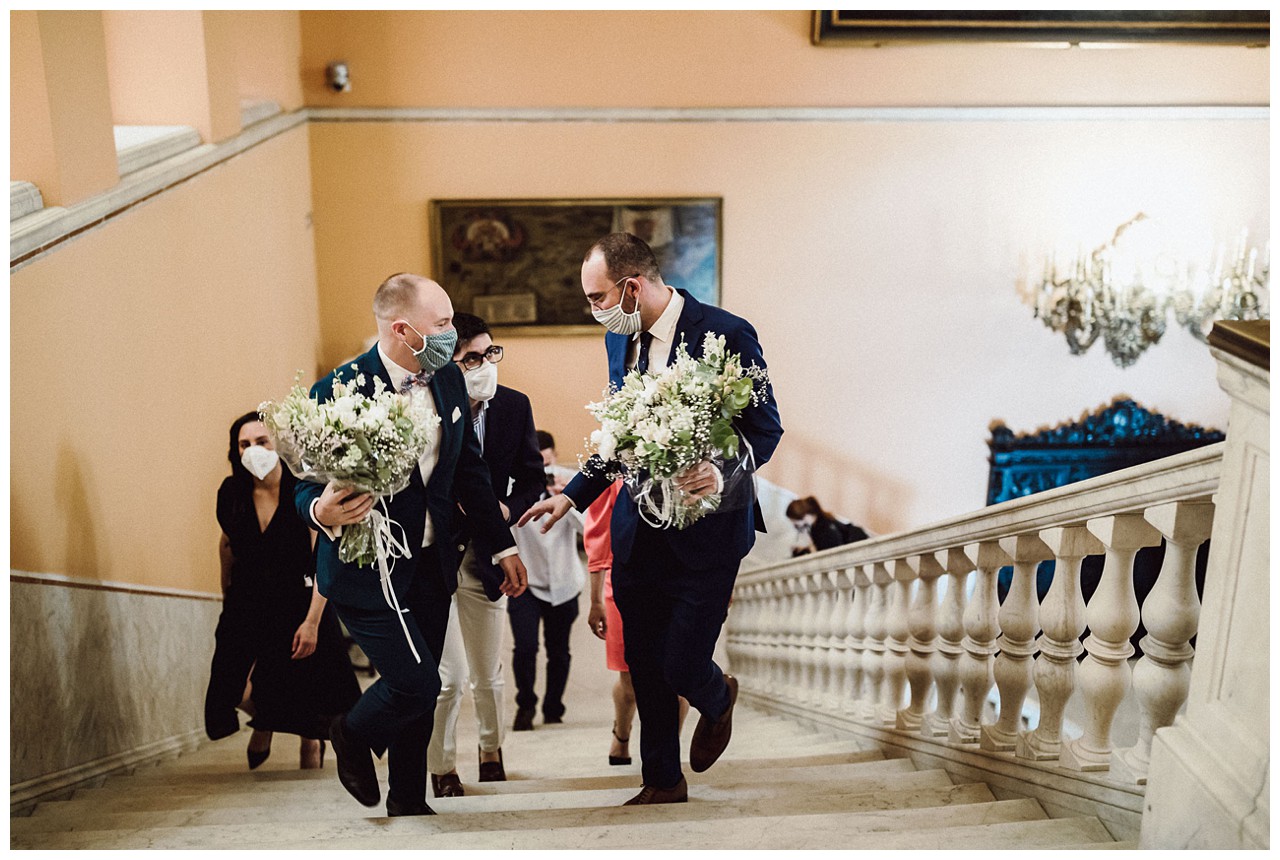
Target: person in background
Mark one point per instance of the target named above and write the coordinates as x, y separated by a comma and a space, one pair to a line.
274, 624
605, 622
818, 530
503, 423
556, 577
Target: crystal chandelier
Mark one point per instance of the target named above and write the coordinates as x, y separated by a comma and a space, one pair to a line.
1123, 291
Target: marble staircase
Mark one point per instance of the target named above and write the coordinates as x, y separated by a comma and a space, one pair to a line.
779, 786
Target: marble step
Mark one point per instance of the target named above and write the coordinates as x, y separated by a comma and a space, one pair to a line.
206, 776
632, 827
562, 809
252, 794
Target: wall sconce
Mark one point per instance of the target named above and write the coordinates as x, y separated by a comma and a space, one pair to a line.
338, 76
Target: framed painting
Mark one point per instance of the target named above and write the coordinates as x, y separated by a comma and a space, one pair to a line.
517, 263
872, 28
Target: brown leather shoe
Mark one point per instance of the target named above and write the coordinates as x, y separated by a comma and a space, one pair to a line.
492, 771
710, 738
678, 793
446, 785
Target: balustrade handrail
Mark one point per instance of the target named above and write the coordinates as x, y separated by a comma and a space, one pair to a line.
1189, 475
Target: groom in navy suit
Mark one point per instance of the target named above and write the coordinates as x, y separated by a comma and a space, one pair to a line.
413, 355
672, 587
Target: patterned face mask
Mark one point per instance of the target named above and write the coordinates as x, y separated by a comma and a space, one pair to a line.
615, 319
437, 349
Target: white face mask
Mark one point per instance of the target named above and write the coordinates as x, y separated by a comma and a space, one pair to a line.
616, 320
482, 382
259, 460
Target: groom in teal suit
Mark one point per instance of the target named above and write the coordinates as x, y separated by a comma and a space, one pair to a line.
413, 355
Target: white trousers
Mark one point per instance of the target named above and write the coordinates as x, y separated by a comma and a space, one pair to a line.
473, 647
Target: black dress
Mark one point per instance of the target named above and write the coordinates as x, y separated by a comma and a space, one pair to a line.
267, 599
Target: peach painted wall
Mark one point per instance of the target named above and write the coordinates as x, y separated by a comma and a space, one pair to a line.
879, 262
269, 56
61, 114
30, 129
134, 347
742, 58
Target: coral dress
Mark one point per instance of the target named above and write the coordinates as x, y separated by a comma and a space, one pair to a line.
596, 539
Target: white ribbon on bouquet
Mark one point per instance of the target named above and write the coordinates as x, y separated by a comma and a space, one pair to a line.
388, 549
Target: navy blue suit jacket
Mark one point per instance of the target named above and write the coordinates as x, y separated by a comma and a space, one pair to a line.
707, 542
511, 453
459, 477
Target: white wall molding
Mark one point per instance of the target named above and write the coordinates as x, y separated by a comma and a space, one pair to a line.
37, 233
139, 146
24, 795
102, 585
24, 198
1143, 113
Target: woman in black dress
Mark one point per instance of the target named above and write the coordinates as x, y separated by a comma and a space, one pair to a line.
818, 530
274, 622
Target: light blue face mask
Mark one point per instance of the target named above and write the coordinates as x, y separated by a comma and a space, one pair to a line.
437, 349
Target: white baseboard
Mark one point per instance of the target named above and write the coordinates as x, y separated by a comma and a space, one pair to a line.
24, 795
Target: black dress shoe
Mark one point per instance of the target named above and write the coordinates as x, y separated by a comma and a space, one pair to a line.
524, 720
492, 771
355, 764
256, 758
395, 810
546, 721
711, 737
446, 785
678, 793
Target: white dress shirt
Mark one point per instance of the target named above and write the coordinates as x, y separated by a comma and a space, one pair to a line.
419, 394
556, 571
664, 336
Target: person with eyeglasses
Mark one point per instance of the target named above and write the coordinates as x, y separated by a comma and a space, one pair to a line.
672, 587
503, 422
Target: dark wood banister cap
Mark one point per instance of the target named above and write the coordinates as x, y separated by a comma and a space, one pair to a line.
1247, 339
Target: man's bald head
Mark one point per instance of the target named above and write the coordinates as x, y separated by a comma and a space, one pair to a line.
408, 307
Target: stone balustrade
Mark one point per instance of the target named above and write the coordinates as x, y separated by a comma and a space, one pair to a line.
903, 634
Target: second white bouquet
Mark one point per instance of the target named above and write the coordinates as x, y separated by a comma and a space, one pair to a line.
371, 443
662, 422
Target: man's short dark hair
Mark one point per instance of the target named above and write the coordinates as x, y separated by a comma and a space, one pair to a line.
545, 440
626, 256
469, 326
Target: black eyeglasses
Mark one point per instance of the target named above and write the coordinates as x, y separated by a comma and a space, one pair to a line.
472, 360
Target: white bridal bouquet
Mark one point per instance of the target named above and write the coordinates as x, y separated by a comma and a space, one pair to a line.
662, 422
370, 443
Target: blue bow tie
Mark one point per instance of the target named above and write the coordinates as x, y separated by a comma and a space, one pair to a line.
416, 380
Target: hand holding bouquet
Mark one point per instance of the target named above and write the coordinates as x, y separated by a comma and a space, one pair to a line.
659, 424
371, 444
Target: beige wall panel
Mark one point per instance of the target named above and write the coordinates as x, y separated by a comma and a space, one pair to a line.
742, 58
134, 347
269, 56
79, 105
159, 69
879, 262
31, 157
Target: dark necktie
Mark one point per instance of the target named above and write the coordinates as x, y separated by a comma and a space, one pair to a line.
642, 359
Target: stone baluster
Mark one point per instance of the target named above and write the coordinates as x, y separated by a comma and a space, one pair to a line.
1112, 614
1171, 613
856, 695
1019, 624
793, 589
950, 644
808, 638
897, 641
922, 625
981, 629
1062, 618
833, 598
734, 633
874, 656
744, 616
769, 630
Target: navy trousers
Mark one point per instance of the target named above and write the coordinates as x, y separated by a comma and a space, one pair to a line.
525, 613
397, 712
671, 617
